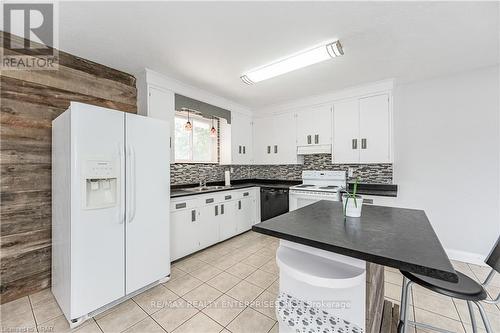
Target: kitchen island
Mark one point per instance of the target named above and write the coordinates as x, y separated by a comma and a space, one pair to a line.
395, 237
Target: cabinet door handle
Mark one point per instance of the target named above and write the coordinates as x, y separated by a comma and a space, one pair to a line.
309, 140
239, 204
269, 149
275, 149
244, 150
246, 194
209, 200
354, 143
193, 215
316, 138
180, 205
363, 143
227, 197
222, 209
216, 210
239, 149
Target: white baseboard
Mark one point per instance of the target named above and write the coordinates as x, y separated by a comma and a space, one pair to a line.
468, 257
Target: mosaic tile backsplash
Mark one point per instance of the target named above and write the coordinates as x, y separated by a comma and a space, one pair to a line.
184, 173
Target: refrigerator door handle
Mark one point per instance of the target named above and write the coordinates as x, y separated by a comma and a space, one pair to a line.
133, 206
121, 208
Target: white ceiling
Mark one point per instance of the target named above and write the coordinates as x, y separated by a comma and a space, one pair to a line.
209, 44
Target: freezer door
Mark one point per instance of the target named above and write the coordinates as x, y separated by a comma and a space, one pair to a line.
97, 209
148, 197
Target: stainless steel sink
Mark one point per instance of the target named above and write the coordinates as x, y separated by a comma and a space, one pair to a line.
205, 188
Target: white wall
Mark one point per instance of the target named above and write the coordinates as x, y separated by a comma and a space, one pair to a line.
447, 150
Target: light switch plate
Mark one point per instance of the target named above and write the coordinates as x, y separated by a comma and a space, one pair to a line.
350, 172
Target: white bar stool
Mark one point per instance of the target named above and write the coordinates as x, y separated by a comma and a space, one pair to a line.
320, 291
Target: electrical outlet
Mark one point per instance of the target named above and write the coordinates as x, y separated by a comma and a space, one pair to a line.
231, 169
350, 172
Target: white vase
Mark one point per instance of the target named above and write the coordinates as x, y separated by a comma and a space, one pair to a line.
353, 207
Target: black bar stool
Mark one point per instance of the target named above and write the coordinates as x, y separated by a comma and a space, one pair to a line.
466, 289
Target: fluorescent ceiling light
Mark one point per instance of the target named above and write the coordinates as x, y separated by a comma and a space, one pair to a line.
296, 61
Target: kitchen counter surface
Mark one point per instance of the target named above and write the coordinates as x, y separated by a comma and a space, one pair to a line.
384, 190
395, 237
180, 190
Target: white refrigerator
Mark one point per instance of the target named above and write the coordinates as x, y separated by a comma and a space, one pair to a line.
110, 208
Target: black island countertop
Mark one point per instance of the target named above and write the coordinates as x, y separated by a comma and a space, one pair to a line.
395, 237
363, 188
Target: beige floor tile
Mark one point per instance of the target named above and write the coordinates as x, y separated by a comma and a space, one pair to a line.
176, 273
190, 264
255, 260
241, 270
46, 310
266, 252
393, 277
17, 306
468, 329
147, 325
261, 279
205, 273
224, 309
15, 321
438, 304
274, 288
201, 296
61, 325
199, 323
275, 328
265, 304
125, 315
491, 311
184, 285
41, 296
270, 267
392, 291
224, 262
92, 327
245, 292
434, 319
155, 299
223, 282
251, 321
175, 315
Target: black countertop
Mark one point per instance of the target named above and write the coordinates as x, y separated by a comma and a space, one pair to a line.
367, 189
385, 190
395, 237
179, 190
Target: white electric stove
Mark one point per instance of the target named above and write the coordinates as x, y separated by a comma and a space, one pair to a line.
317, 185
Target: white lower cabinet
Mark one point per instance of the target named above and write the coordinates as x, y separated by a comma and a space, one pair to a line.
184, 226
202, 220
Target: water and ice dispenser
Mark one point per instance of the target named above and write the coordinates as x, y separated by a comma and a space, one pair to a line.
101, 184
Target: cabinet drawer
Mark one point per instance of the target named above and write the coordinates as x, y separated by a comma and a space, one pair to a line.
183, 204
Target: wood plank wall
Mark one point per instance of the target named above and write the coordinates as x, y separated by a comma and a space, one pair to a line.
30, 100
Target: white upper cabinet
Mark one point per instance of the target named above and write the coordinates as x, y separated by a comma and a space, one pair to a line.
275, 139
375, 129
314, 126
362, 130
241, 138
346, 132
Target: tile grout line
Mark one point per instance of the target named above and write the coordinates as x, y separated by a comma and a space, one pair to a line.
33, 313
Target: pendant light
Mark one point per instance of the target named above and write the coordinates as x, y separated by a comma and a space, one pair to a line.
188, 126
213, 131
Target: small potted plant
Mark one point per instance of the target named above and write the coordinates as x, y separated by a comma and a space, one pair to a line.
351, 202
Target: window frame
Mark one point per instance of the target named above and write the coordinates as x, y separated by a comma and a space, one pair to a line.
213, 143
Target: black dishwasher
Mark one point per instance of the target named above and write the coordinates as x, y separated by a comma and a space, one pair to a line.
273, 202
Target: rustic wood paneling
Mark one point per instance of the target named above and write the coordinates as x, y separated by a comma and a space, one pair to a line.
374, 297
30, 100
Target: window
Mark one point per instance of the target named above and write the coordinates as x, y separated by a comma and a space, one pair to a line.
196, 146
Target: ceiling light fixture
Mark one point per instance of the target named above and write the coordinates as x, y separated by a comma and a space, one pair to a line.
299, 60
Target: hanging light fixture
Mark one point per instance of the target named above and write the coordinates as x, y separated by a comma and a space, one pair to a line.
213, 131
188, 126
